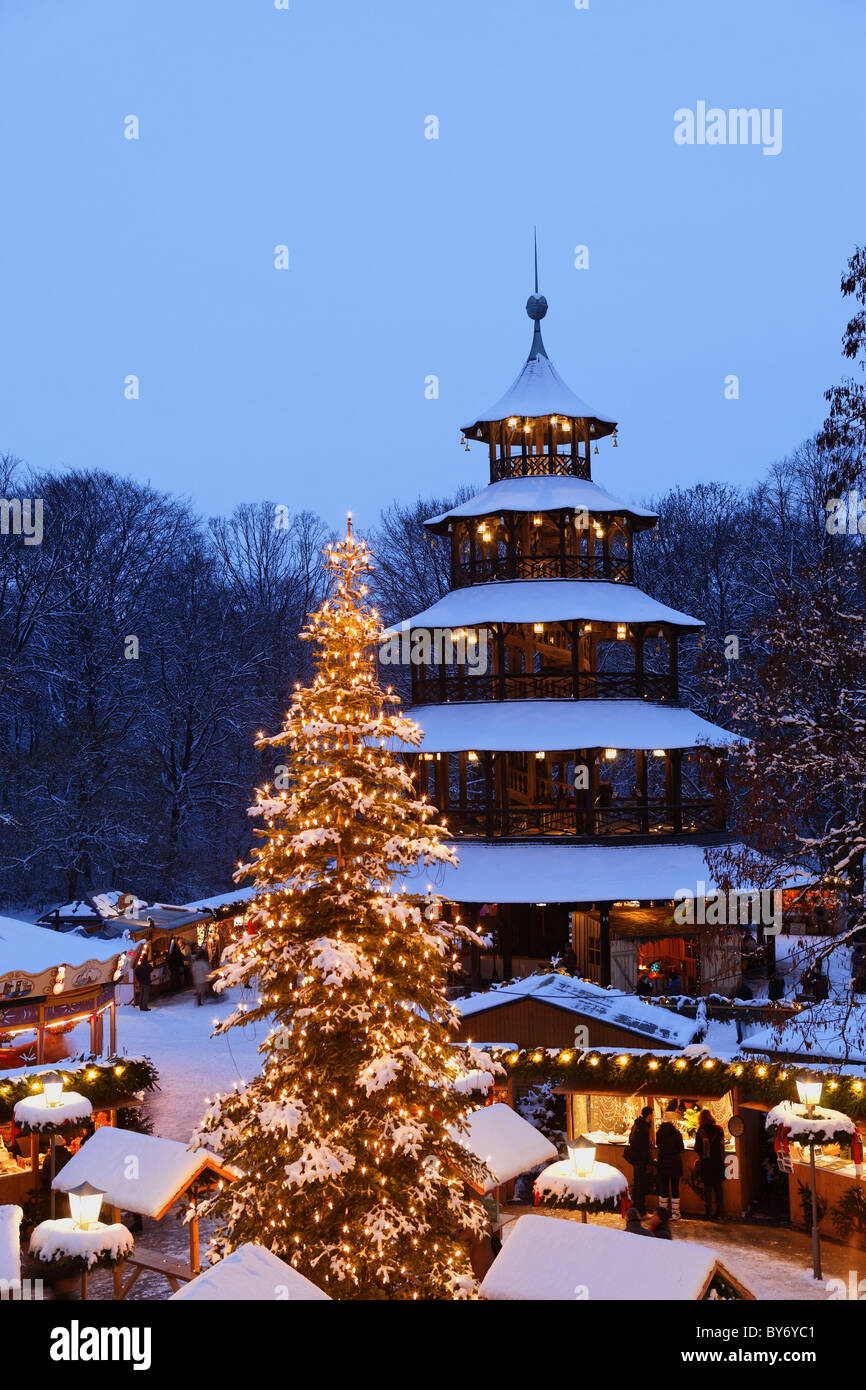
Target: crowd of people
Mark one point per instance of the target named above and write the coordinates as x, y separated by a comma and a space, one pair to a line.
709, 1145
187, 969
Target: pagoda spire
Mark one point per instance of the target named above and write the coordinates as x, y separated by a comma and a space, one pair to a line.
536, 308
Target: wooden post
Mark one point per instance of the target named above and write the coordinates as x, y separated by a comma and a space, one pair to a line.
112, 1017
488, 794
575, 662
639, 634
500, 661
643, 790
604, 943
674, 665
676, 760
194, 1256
117, 1272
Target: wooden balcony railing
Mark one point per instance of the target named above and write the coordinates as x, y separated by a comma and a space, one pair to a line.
454, 687
531, 465
494, 567
692, 816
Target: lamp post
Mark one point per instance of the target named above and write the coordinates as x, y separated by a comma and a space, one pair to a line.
809, 1091
52, 1088
582, 1154
85, 1203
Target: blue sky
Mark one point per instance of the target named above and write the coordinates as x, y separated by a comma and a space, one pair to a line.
408, 256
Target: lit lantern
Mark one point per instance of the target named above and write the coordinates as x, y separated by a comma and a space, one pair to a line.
658, 752
472, 757
809, 1091
582, 1152
513, 421
620, 632
539, 755
538, 627
85, 1202
52, 1087
610, 754
536, 521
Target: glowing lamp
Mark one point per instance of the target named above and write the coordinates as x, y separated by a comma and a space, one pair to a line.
473, 757
513, 421
52, 1087
809, 1091
539, 755
620, 632
536, 521
658, 752
85, 1202
582, 1154
610, 754
538, 627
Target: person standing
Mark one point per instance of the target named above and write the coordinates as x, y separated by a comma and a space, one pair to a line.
175, 965
710, 1148
200, 973
669, 1143
639, 1145
143, 972
775, 987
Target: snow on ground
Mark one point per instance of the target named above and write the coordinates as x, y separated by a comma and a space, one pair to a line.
191, 1064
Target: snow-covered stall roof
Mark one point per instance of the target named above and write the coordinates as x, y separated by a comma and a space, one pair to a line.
544, 494
163, 1169
10, 1248
563, 873
221, 900
546, 1257
251, 1273
538, 389
33, 949
555, 724
506, 1143
575, 996
548, 601
833, 1031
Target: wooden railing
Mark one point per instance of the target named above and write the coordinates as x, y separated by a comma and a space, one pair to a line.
692, 816
537, 466
494, 567
455, 687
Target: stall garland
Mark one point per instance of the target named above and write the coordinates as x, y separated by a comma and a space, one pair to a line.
677, 1074
104, 1081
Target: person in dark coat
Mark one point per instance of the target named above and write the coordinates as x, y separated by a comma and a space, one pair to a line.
175, 965
710, 1148
143, 972
633, 1223
669, 1143
640, 1143
775, 987
644, 988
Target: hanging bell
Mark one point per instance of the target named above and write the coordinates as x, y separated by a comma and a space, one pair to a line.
615, 445
595, 450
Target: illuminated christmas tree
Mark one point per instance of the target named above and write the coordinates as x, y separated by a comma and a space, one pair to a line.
349, 1138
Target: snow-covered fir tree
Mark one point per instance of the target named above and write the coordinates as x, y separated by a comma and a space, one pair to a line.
349, 1138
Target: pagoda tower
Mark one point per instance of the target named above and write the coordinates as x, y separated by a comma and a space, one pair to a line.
556, 746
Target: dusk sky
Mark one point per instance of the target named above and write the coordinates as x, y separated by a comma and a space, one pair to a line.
411, 257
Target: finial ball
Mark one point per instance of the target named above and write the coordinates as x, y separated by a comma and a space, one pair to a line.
536, 306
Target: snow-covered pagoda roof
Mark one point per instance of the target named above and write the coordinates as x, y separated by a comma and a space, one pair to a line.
165, 1169
538, 389
611, 1006
507, 1144
549, 601
544, 1257
550, 725
543, 494
563, 873
251, 1273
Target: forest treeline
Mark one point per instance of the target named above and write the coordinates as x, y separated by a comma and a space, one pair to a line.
141, 648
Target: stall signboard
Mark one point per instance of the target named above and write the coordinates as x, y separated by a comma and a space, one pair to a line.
18, 984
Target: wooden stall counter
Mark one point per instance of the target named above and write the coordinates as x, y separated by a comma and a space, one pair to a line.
610, 1150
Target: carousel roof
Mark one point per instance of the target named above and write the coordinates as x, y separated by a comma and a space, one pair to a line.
544, 494
564, 873
548, 601
529, 725
33, 949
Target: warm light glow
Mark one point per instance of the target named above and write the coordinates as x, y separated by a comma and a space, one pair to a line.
539, 755
658, 752
809, 1091
610, 754
538, 627
582, 1153
473, 757
52, 1087
85, 1202
536, 521
620, 632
